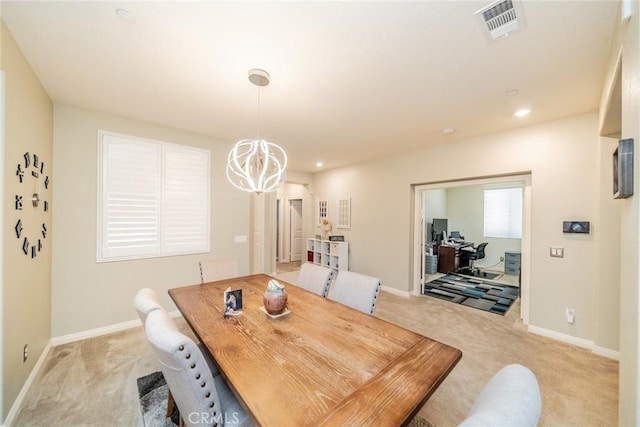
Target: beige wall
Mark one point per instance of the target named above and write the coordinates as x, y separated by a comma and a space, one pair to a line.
629, 44
561, 157
88, 295
607, 296
26, 282
435, 204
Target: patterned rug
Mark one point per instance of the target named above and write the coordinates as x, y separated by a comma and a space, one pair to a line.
153, 392
473, 292
466, 271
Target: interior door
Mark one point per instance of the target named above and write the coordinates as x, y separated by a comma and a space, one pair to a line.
295, 224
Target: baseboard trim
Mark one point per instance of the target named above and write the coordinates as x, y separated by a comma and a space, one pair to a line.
17, 404
579, 342
92, 333
606, 352
395, 291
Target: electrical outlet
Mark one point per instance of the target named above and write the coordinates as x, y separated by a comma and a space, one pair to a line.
501, 259
25, 353
570, 315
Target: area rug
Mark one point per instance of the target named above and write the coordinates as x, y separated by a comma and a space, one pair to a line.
153, 392
473, 292
466, 271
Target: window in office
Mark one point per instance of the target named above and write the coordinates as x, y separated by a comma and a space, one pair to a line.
153, 198
503, 213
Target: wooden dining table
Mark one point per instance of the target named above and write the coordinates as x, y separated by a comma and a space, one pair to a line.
323, 364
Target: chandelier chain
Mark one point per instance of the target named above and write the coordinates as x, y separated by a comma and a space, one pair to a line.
258, 116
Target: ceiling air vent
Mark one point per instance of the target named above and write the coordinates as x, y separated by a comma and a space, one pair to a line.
501, 18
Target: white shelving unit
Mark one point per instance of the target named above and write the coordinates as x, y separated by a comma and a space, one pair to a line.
328, 254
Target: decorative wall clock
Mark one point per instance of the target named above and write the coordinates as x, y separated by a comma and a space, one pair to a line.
30, 173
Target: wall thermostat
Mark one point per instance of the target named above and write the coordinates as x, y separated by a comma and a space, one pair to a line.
576, 227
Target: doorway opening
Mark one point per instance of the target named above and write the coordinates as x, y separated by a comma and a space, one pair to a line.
460, 205
293, 222
289, 240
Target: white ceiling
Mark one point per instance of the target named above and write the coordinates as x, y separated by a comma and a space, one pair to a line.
350, 81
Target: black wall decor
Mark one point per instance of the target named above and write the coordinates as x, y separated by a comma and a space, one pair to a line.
623, 169
30, 171
576, 227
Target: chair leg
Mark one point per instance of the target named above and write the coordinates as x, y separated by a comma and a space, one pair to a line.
171, 404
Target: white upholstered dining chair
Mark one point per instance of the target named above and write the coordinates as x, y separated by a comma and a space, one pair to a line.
217, 269
145, 301
315, 278
202, 398
510, 398
356, 290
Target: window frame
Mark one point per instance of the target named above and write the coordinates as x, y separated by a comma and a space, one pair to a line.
505, 229
202, 198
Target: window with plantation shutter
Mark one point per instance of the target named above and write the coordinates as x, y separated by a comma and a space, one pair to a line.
503, 213
153, 198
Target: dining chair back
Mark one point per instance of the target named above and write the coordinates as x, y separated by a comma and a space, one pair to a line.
315, 278
145, 301
510, 398
356, 290
202, 398
217, 269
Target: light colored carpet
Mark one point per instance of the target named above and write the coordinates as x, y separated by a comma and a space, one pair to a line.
93, 382
286, 267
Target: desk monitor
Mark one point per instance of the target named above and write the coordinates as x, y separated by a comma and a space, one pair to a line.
439, 225
455, 235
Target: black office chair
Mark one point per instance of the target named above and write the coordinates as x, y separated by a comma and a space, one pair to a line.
474, 255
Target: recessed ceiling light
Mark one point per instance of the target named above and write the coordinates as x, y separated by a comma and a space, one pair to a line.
125, 15
448, 130
522, 112
319, 164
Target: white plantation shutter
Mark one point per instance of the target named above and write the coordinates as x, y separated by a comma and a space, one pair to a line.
153, 199
131, 197
186, 202
503, 213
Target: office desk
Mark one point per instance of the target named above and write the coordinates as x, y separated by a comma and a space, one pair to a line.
449, 258
323, 364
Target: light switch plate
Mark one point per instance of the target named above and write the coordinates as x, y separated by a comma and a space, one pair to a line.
240, 239
570, 315
556, 252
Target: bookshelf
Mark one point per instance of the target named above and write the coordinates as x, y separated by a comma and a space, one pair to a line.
328, 254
